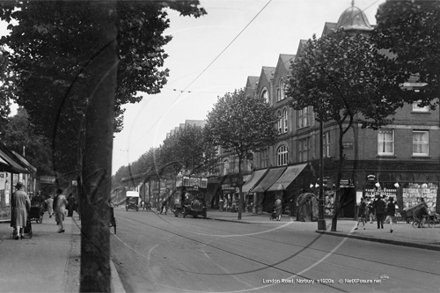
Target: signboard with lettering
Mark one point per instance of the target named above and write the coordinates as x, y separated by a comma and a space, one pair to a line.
47, 179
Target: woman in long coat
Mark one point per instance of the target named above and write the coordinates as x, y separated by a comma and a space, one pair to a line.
19, 204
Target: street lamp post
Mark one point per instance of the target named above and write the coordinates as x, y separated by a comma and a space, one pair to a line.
321, 219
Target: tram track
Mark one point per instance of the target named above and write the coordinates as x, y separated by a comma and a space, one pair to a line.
289, 244
264, 265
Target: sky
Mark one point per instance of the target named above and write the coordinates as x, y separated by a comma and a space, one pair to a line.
214, 55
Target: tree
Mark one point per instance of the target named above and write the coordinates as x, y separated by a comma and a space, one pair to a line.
339, 77
19, 135
186, 148
75, 64
410, 30
241, 124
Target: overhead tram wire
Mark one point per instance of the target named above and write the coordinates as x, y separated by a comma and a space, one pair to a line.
290, 59
203, 71
185, 90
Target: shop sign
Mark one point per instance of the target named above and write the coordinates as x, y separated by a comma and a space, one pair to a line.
346, 183
47, 179
347, 145
371, 177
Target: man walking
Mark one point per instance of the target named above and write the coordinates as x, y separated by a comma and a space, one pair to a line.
391, 211
380, 212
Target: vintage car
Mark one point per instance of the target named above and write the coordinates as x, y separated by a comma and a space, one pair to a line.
195, 205
132, 200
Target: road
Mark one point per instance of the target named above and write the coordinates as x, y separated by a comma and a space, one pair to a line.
162, 253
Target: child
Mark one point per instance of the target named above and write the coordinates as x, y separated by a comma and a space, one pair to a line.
362, 213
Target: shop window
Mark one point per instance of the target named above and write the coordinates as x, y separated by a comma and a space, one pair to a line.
385, 142
285, 118
282, 155
420, 143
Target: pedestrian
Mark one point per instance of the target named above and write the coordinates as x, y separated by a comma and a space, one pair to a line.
49, 204
20, 205
278, 207
37, 200
71, 205
60, 204
220, 204
380, 212
371, 205
362, 213
391, 211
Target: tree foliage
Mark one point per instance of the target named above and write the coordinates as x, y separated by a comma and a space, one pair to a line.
18, 134
186, 147
411, 31
241, 124
50, 45
343, 78
75, 64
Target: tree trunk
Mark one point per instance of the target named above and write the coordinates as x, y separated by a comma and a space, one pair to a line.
336, 205
95, 237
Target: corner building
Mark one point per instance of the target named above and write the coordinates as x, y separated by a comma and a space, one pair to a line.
400, 160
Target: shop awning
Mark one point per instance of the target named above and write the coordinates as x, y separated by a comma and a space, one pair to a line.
269, 179
9, 162
28, 165
251, 182
287, 178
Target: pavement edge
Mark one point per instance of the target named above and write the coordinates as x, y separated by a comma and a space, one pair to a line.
116, 283
381, 240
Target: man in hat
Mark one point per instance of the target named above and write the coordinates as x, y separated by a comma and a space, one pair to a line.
19, 204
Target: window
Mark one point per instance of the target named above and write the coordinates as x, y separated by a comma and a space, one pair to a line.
225, 167
265, 94
264, 158
304, 149
420, 143
285, 118
282, 155
278, 94
281, 89
417, 108
280, 122
303, 117
385, 142
326, 144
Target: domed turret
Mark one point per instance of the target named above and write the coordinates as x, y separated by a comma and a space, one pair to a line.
353, 19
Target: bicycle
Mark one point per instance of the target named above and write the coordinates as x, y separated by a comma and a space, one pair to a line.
425, 220
434, 219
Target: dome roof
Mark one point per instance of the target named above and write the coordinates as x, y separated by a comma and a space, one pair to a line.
353, 19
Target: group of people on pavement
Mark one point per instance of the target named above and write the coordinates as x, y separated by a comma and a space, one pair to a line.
383, 211
21, 204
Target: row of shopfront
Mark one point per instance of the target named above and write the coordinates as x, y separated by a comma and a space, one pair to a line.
406, 182
13, 168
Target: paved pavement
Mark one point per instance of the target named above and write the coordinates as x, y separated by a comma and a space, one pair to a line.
47, 262
50, 261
